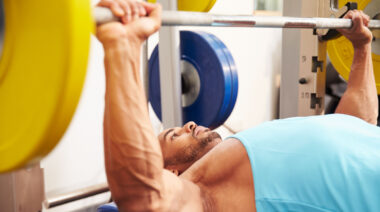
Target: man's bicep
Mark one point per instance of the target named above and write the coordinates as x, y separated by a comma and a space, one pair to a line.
181, 194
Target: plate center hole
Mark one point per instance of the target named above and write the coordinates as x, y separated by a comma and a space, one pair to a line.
191, 83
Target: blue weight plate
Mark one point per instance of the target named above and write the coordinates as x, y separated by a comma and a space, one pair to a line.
211, 65
224, 111
235, 79
224, 114
227, 79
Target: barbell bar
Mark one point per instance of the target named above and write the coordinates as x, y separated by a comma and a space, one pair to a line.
180, 18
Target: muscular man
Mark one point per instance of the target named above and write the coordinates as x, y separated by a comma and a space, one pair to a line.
320, 163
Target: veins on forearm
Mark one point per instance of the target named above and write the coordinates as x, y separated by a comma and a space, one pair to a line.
133, 153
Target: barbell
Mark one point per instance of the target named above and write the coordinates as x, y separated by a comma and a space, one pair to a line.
44, 62
193, 5
180, 18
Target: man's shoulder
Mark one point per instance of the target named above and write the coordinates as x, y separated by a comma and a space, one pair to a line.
303, 128
299, 123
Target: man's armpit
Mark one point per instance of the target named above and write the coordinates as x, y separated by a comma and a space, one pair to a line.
181, 194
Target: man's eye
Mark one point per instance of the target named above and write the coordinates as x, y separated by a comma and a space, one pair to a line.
174, 136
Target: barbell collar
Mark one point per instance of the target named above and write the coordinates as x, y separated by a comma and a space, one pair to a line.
178, 18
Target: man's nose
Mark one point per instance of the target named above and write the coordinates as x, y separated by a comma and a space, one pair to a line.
189, 126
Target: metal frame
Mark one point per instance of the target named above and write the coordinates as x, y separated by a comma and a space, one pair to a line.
291, 39
76, 195
170, 74
304, 72
22, 190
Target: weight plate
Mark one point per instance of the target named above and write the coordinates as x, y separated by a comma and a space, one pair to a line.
341, 52
214, 74
42, 71
193, 5
234, 78
216, 44
230, 101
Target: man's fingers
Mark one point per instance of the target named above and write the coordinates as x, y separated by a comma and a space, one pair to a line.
113, 6
357, 20
131, 12
349, 14
135, 10
128, 10
125, 7
352, 14
152, 23
142, 10
155, 13
366, 18
149, 7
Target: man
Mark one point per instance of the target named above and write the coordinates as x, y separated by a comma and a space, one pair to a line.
322, 163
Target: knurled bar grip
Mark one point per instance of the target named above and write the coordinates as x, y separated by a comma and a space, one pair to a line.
177, 18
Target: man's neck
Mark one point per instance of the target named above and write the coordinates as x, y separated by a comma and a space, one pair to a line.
224, 172
211, 164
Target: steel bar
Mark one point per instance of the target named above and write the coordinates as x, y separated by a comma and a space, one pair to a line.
175, 18
76, 195
170, 71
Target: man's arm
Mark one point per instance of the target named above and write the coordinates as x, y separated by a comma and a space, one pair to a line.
134, 162
360, 98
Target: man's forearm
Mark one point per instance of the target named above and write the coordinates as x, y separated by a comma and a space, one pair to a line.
362, 68
133, 157
360, 99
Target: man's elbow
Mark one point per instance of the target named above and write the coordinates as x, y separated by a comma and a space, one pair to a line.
139, 205
137, 198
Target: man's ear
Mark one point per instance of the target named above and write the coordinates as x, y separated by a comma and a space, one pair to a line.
174, 171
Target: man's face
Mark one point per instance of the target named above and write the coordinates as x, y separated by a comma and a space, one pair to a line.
181, 147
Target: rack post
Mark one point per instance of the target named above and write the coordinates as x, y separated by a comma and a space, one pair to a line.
170, 73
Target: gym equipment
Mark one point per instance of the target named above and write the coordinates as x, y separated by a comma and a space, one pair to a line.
331, 34
76, 195
209, 80
193, 5
341, 51
42, 71
44, 58
175, 18
235, 80
110, 207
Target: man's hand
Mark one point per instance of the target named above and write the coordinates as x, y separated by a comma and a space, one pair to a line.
359, 34
139, 20
360, 98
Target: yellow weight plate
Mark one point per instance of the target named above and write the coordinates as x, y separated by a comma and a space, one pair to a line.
42, 71
341, 51
193, 5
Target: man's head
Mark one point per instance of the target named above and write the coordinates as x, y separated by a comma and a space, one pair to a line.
181, 147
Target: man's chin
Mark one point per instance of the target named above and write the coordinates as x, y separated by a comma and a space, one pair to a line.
211, 140
215, 136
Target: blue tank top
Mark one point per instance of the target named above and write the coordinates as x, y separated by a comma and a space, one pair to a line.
319, 163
